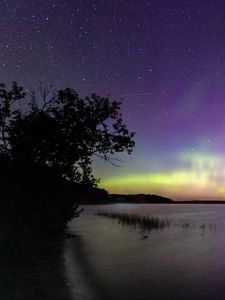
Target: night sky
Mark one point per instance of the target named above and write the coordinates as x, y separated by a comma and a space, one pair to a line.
166, 59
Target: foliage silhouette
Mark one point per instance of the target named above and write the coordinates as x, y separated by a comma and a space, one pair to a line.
47, 143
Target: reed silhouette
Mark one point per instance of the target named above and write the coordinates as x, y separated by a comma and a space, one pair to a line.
143, 222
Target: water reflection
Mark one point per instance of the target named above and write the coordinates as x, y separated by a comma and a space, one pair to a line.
184, 261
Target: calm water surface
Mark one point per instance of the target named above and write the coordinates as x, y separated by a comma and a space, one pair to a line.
109, 261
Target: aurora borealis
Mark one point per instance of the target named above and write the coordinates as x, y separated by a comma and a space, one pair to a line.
166, 59
197, 175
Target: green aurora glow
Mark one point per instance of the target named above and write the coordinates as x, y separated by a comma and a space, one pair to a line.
198, 174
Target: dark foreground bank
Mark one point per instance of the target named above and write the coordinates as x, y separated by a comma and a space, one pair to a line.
33, 269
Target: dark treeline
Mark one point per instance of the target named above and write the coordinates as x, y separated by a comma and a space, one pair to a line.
200, 202
153, 199
47, 142
138, 198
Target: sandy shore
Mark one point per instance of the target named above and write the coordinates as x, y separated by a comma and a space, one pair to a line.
77, 271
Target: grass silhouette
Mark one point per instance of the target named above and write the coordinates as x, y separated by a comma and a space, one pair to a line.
143, 222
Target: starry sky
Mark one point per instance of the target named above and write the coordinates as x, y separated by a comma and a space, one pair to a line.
166, 59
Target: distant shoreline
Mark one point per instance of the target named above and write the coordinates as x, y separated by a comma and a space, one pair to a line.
146, 199
139, 202
200, 202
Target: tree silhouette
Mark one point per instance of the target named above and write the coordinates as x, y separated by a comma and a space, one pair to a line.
56, 133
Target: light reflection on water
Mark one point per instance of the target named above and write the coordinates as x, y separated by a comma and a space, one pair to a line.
172, 263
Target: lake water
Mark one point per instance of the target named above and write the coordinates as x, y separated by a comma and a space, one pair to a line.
109, 261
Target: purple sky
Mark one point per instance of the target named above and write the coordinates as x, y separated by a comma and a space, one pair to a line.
165, 58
